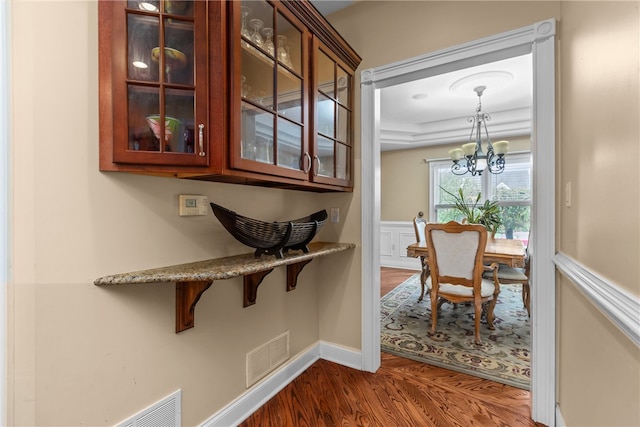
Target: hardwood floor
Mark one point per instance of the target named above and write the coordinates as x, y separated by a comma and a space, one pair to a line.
392, 277
401, 393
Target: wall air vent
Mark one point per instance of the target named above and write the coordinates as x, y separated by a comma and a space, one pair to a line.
164, 413
266, 358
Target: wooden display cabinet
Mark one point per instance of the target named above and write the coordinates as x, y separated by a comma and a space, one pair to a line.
253, 92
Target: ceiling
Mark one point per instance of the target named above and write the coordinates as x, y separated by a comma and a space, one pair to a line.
434, 110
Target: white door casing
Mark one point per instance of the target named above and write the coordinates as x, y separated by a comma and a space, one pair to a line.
539, 40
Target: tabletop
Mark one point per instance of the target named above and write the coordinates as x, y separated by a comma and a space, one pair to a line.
504, 251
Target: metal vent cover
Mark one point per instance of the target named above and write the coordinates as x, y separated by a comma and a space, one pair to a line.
164, 413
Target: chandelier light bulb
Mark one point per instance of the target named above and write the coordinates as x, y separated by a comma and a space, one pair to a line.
456, 154
501, 147
474, 160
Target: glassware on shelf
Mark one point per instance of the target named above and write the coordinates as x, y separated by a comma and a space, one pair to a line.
268, 43
257, 25
244, 31
244, 87
283, 53
171, 125
260, 95
174, 60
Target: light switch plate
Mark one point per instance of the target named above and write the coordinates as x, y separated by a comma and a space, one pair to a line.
335, 214
192, 205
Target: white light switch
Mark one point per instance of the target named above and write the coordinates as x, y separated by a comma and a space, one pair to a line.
192, 205
335, 214
567, 195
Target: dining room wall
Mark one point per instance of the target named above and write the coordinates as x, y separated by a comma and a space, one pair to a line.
598, 150
598, 99
404, 178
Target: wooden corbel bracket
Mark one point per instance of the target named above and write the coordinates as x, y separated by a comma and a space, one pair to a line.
293, 270
187, 296
251, 283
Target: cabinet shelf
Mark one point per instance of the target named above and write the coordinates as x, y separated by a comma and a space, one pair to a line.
209, 95
193, 279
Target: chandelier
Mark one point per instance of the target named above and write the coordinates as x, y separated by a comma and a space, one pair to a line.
471, 158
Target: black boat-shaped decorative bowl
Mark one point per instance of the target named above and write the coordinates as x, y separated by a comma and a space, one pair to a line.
271, 238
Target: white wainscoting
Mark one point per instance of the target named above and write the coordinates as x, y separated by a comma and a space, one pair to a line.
395, 236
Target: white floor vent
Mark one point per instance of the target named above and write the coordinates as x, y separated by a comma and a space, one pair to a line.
164, 413
266, 358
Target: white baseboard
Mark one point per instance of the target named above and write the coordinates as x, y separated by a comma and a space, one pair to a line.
247, 403
408, 264
559, 420
341, 355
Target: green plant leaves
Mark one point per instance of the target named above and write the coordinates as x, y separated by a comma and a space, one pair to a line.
487, 213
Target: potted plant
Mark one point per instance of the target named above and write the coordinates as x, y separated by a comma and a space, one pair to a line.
486, 213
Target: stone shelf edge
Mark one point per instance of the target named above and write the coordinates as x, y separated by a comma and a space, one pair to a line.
193, 279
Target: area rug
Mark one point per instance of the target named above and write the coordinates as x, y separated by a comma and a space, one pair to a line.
503, 356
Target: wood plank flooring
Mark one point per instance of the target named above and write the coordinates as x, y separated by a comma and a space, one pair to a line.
392, 277
401, 393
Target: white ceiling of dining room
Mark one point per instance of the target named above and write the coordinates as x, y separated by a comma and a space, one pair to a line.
434, 110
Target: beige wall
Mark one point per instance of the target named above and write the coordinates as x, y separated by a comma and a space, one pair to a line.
599, 367
598, 143
87, 355
94, 356
404, 182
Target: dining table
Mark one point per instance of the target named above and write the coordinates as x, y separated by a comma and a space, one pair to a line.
510, 252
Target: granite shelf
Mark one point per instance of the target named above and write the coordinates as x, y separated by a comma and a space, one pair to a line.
192, 279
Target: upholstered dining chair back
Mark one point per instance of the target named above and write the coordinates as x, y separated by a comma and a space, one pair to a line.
419, 224
456, 252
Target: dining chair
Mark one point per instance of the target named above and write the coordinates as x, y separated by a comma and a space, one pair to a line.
518, 275
419, 224
455, 260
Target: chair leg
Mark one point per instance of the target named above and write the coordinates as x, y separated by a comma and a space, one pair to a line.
490, 315
423, 276
434, 312
526, 297
476, 319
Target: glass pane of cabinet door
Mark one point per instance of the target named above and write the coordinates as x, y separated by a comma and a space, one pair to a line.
333, 148
268, 89
165, 86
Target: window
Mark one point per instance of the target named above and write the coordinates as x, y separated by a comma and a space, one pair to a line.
511, 188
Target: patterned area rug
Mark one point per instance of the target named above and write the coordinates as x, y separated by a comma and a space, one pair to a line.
503, 356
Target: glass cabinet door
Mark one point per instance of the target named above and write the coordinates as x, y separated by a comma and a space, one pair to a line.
270, 84
164, 112
333, 149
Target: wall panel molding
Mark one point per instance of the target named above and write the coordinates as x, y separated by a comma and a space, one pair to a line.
618, 305
395, 236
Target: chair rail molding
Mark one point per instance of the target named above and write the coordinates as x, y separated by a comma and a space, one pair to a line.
618, 305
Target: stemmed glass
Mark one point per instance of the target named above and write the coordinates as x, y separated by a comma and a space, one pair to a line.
244, 88
257, 25
260, 95
268, 44
244, 12
283, 55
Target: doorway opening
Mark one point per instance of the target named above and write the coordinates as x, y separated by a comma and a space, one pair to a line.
539, 40
421, 122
